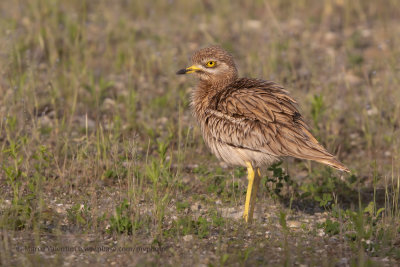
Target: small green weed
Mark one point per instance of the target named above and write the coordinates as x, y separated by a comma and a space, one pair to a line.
322, 188
181, 206
355, 59
217, 219
317, 110
330, 227
79, 214
186, 225
121, 222
282, 221
200, 226
275, 184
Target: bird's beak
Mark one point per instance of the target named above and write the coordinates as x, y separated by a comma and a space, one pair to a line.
191, 69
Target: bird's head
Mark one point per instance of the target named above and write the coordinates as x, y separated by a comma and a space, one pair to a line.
213, 65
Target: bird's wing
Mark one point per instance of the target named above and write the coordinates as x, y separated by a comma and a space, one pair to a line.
263, 117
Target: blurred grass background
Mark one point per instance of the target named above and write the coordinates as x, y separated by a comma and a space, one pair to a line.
97, 138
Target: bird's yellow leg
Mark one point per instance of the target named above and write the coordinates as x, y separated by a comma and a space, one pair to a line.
252, 188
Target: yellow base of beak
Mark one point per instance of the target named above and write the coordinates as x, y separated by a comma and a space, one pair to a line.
188, 70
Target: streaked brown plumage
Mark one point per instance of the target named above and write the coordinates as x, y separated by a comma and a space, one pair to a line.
249, 120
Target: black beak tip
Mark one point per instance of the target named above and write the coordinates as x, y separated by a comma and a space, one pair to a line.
182, 71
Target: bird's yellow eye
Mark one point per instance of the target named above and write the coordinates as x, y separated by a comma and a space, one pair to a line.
210, 64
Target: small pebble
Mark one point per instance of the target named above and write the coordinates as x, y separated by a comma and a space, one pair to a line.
188, 238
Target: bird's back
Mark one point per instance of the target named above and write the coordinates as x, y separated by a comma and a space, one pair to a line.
257, 121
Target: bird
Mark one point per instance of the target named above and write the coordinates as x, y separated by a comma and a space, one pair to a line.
249, 122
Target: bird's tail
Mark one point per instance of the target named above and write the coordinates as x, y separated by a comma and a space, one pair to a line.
318, 153
334, 163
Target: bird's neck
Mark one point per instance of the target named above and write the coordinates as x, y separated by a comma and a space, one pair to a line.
204, 93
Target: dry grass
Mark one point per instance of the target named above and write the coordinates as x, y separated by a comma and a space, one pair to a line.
98, 148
